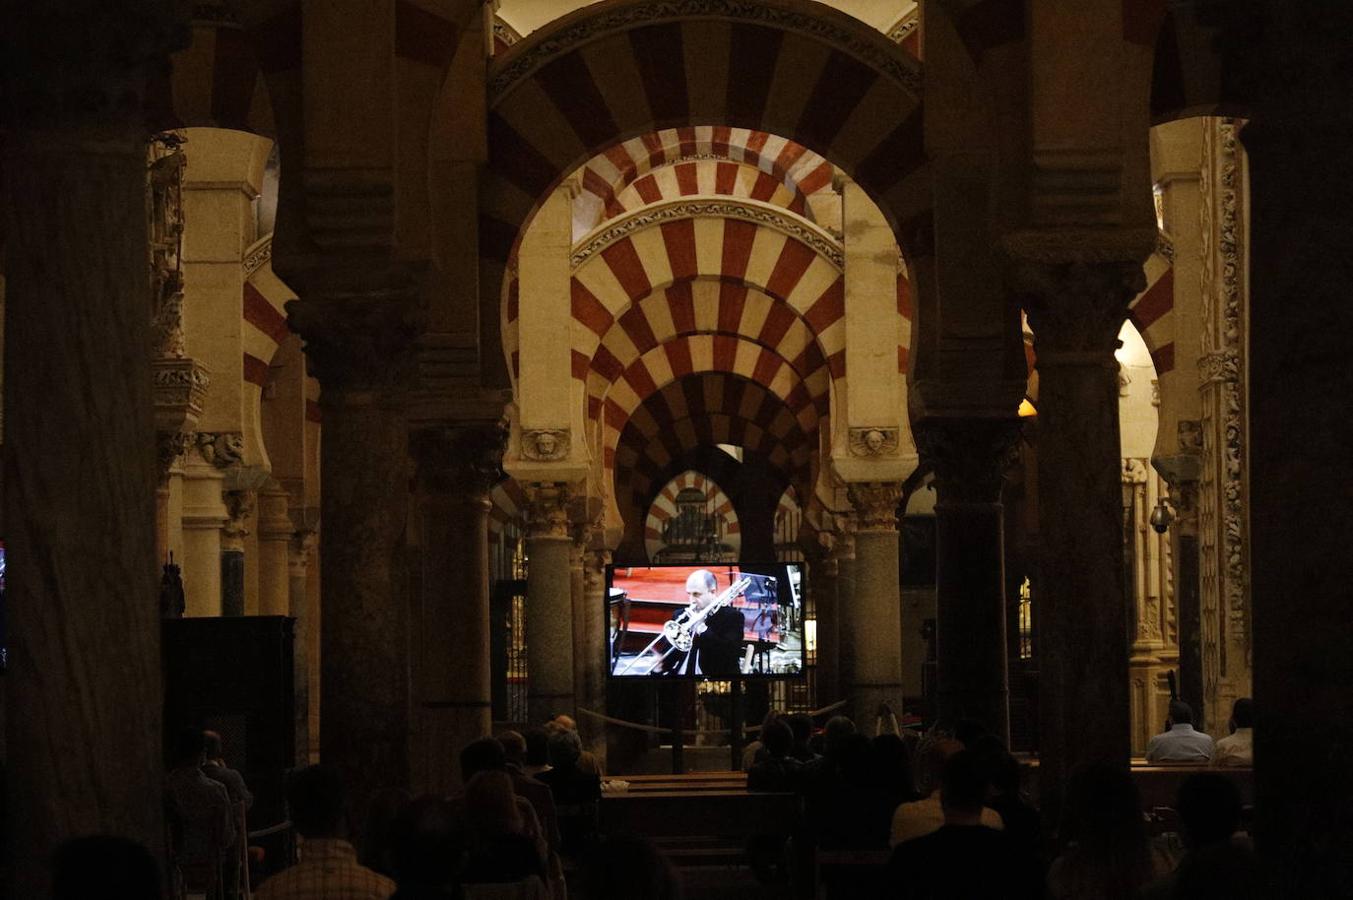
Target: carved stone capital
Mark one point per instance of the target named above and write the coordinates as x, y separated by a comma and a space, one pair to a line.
1133, 471
1076, 309
545, 444
873, 441
180, 386
464, 460
222, 449
875, 504
170, 446
239, 507
358, 336
1220, 367
968, 456
299, 551
547, 510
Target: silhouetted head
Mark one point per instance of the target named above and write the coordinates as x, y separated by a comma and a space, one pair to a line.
190, 748
514, 747
483, 755
802, 726
318, 802
537, 746
963, 787
777, 739
212, 742
492, 806
838, 728
564, 748
969, 731
1209, 806
1242, 713
1180, 713
934, 757
102, 865
426, 845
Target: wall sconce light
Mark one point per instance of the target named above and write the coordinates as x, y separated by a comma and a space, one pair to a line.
1162, 516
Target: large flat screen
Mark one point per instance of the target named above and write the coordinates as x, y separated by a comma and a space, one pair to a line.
714, 621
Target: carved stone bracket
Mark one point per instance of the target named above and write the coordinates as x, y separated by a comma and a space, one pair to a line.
1134, 471
968, 456
547, 510
223, 449
170, 446
545, 444
873, 441
875, 504
299, 550
461, 459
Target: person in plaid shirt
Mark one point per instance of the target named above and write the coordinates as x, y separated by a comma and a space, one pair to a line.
328, 869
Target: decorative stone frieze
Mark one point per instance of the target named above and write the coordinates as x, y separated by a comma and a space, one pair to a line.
875, 505
820, 240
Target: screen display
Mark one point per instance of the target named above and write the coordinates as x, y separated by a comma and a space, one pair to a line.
715, 621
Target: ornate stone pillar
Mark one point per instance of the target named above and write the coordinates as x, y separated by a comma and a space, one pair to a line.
457, 467
82, 692
1076, 310
358, 326
1223, 486
549, 603
1300, 382
969, 458
1181, 472
871, 616
205, 516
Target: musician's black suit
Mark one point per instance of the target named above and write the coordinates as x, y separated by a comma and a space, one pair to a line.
717, 650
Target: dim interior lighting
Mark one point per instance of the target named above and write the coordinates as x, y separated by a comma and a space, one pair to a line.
1026, 409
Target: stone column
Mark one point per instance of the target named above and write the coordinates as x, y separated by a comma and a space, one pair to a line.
592, 688
204, 515
275, 533
549, 603
358, 327
82, 692
969, 457
823, 576
1300, 381
871, 616
239, 507
843, 551
457, 467
1076, 310
298, 604
1180, 472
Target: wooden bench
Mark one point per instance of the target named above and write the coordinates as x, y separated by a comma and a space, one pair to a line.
1159, 784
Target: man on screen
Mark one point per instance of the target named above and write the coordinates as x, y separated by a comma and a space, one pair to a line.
717, 644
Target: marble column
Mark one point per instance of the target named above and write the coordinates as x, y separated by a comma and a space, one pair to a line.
822, 574
82, 691
843, 553
358, 336
299, 552
204, 516
549, 604
871, 616
457, 467
275, 533
969, 457
239, 508
1076, 310
592, 689
1180, 472
1301, 507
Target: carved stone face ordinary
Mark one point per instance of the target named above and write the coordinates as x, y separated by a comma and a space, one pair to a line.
546, 445
874, 439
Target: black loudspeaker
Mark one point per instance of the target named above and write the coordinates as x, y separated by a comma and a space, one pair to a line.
234, 676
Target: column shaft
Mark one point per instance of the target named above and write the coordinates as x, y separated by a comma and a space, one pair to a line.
456, 469
823, 576
1076, 310
275, 532
83, 691
872, 615
549, 605
592, 689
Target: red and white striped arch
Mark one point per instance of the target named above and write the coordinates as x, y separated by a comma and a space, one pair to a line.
1152, 312
700, 159
663, 509
623, 68
704, 410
